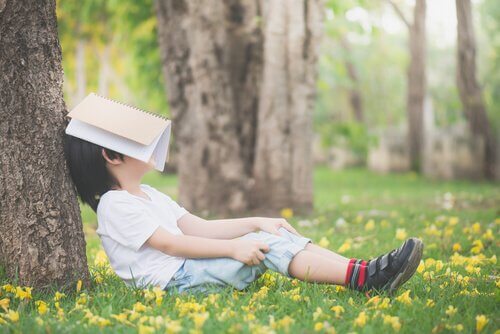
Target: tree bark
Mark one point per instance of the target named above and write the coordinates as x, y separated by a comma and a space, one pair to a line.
283, 163
416, 85
41, 237
241, 98
355, 96
212, 56
468, 87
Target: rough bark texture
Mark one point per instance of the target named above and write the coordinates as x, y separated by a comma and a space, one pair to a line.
238, 70
416, 85
283, 161
469, 89
212, 55
41, 236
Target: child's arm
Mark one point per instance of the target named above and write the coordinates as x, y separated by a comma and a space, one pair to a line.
195, 247
193, 225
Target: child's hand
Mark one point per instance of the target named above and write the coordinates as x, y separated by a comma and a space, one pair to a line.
271, 225
249, 251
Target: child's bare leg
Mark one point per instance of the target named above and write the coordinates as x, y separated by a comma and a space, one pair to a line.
326, 252
312, 267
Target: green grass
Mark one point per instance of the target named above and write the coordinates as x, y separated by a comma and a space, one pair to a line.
374, 207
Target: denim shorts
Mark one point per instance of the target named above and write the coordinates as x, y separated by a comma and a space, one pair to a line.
213, 274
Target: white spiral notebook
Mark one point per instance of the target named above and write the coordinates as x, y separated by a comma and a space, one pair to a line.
121, 128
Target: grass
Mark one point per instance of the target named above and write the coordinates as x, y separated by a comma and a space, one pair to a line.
362, 214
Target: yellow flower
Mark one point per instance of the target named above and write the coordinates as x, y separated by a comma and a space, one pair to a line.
404, 298
360, 321
370, 225
481, 321
4, 303
324, 242
488, 235
13, 316
78, 286
142, 329
23, 293
430, 303
317, 313
451, 310
338, 310
401, 234
101, 259
42, 307
477, 247
318, 326
453, 221
139, 307
199, 319
456, 247
476, 228
9, 288
286, 213
421, 267
393, 321
345, 246
58, 296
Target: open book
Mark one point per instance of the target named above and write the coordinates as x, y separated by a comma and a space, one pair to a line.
121, 128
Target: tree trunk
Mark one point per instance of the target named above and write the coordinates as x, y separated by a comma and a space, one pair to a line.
283, 161
468, 87
355, 96
211, 57
416, 85
41, 236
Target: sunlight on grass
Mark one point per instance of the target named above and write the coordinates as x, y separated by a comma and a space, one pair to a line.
357, 213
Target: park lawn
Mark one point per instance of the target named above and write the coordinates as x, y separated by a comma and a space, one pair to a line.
357, 213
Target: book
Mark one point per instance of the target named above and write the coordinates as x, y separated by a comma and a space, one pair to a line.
122, 128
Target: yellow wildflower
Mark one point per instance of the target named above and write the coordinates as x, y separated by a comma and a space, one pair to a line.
453, 221
488, 235
318, 326
404, 298
9, 288
41, 306
142, 329
101, 259
430, 303
58, 296
23, 293
345, 246
477, 247
456, 247
317, 313
481, 321
199, 319
324, 242
4, 304
370, 225
360, 321
451, 310
338, 310
476, 228
78, 286
13, 316
286, 213
401, 234
393, 321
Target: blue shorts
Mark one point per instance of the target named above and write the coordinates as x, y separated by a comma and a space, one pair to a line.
212, 274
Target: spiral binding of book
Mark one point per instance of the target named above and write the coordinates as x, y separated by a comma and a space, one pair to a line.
130, 106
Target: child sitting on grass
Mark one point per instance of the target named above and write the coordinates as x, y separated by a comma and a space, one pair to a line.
152, 240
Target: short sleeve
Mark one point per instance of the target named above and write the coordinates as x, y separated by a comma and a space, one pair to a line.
129, 223
176, 209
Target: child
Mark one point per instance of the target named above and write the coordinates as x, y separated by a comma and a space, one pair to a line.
152, 240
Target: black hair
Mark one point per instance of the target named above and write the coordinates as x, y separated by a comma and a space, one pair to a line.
88, 169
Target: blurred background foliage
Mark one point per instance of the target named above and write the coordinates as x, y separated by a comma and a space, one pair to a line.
366, 36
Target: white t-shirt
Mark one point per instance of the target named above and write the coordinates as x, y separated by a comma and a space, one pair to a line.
125, 222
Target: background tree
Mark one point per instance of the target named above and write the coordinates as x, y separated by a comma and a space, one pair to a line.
247, 92
417, 85
469, 88
41, 236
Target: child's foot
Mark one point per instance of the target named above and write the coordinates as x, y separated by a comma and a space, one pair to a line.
388, 271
